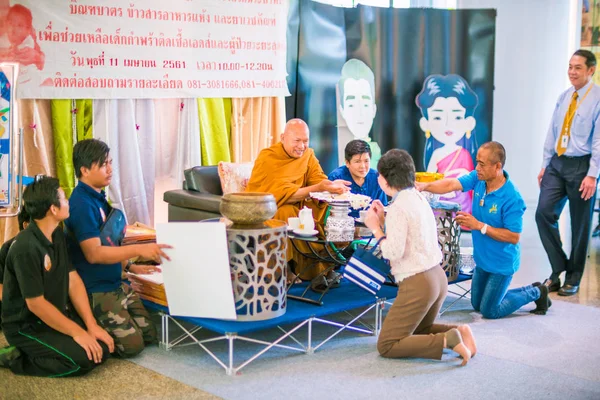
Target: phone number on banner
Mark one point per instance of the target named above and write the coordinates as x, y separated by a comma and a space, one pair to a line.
236, 84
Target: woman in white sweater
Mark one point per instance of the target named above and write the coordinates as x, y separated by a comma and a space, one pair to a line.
411, 246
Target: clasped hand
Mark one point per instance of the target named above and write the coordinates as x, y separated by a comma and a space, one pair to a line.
375, 215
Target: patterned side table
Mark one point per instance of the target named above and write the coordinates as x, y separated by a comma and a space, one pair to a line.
448, 236
257, 257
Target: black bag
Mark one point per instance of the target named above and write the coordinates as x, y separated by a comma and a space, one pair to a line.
112, 231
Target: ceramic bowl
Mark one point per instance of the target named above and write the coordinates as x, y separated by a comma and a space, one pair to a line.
248, 208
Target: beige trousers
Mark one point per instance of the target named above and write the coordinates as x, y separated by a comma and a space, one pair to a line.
409, 329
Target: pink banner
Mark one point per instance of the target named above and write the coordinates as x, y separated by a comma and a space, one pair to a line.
146, 49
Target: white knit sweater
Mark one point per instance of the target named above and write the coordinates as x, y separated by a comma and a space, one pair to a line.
411, 243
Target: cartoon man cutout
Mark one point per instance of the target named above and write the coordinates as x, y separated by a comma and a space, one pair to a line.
357, 106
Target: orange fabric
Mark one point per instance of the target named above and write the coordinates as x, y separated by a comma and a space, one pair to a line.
277, 173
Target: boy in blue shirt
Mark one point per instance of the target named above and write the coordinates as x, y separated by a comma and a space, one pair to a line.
115, 305
496, 225
358, 171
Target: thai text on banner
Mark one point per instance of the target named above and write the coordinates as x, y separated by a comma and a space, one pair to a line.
146, 49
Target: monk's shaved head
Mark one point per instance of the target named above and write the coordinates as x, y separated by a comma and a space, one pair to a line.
295, 138
295, 125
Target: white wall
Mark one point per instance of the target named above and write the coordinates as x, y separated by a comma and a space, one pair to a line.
534, 41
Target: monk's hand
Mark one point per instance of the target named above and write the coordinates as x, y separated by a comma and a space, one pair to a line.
338, 186
588, 187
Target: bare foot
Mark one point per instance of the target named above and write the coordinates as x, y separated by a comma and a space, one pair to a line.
464, 352
292, 278
468, 338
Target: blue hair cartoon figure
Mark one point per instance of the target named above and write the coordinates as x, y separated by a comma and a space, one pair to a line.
447, 104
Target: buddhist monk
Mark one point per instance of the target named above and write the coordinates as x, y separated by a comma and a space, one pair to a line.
290, 171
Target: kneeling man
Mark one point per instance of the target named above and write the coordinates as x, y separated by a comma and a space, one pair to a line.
39, 280
496, 225
115, 305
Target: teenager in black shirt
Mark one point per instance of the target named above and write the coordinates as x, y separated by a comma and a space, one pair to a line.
38, 281
23, 219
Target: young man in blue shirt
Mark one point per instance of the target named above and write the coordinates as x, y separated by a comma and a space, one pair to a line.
496, 225
358, 171
115, 305
46, 338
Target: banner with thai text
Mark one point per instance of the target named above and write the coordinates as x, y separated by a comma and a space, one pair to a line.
146, 49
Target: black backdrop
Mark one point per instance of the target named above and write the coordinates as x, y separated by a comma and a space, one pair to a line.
402, 47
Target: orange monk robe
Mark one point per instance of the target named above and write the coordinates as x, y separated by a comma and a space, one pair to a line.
277, 173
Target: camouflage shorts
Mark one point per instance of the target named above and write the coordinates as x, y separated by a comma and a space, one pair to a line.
124, 317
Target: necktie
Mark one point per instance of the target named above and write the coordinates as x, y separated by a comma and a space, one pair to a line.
565, 133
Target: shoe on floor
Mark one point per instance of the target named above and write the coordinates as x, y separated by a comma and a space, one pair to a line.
568, 290
544, 302
596, 231
553, 285
334, 279
7, 355
319, 284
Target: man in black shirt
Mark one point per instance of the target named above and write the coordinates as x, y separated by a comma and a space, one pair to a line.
23, 219
38, 281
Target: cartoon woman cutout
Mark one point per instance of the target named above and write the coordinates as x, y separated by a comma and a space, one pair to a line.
447, 104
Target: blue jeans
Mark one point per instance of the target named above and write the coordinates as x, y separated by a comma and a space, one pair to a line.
490, 294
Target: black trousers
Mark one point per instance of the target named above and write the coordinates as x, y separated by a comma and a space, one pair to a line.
49, 353
561, 182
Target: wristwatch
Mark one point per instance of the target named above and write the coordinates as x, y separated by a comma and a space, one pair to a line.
484, 229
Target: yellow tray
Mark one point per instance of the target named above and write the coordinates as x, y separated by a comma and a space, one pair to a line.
428, 176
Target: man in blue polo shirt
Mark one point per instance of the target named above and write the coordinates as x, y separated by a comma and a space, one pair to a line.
117, 308
358, 171
496, 225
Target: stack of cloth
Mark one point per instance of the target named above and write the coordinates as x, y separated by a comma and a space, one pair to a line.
149, 287
139, 234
